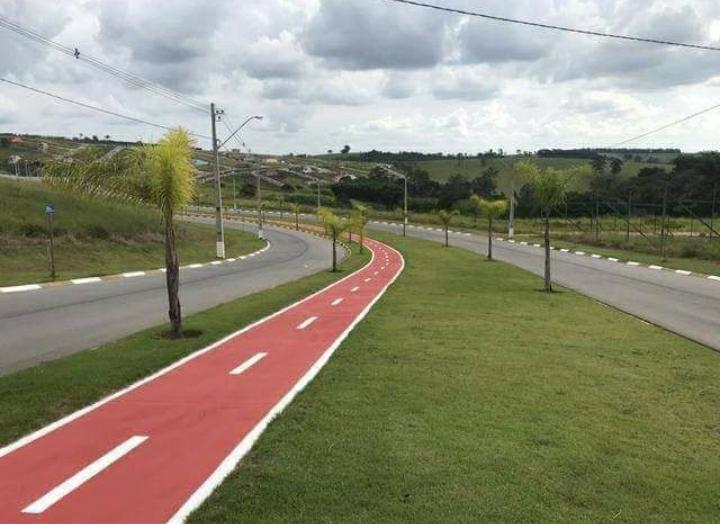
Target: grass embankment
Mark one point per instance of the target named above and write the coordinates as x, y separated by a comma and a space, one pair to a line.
92, 237
32, 398
467, 395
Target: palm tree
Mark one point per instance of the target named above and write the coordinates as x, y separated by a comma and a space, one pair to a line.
550, 188
360, 218
445, 218
490, 209
161, 175
295, 208
334, 227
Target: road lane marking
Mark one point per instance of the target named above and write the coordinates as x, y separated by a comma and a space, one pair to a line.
376, 273
81, 477
337, 302
305, 324
17, 289
88, 280
368, 280
248, 364
355, 289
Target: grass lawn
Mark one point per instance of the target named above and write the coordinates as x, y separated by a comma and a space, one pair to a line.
33, 398
93, 237
467, 395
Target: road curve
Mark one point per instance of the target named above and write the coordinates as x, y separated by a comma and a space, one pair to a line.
49, 323
687, 305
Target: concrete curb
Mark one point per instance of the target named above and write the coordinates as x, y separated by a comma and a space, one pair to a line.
630, 263
128, 275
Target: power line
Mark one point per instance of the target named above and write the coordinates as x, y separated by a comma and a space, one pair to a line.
667, 126
95, 108
129, 78
554, 27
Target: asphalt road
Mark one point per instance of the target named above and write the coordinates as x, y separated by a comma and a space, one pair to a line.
687, 305
45, 324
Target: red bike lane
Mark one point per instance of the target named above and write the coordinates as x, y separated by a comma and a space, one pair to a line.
154, 452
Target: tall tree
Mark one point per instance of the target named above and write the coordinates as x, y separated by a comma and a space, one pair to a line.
360, 220
599, 164
445, 219
616, 166
334, 227
490, 209
550, 188
162, 175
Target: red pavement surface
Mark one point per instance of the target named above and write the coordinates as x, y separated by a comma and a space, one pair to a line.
197, 417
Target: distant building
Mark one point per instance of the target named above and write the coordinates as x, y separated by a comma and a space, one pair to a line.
14, 159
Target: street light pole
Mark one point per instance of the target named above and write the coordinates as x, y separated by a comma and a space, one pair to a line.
405, 217
219, 230
259, 207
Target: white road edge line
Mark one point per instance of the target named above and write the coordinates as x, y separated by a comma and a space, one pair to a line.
306, 323
242, 368
337, 302
134, 274
81, 477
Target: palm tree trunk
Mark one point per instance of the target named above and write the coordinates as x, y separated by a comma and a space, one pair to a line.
447, 236
334, 252
297, 221
362, 239
172, 277
548, 281
490, 230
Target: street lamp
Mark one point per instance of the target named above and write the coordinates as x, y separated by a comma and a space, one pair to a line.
405, 198
219, 226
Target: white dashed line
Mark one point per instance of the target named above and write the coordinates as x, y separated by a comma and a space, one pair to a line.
337, 302
355, 289
537, 245
368, 280
596, 256
81, 477
248, 364
307, 323
580, 253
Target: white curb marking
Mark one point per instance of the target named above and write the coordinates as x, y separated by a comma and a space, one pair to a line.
248, 364
713, 277
633, 264
82, 476
656, 268
17, 289
580, 253
195, 266
88, 280
683, 272
596, 256
307, 323
611, 259
134, 274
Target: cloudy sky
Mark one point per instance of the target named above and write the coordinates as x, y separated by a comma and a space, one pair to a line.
372, 73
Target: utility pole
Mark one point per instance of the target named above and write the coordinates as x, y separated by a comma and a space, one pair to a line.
318, 195
405, 220
258, 195
220, 233
49, 212
663, 229
234, 193
511, 220
629, 217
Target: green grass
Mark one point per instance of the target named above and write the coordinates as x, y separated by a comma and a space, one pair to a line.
33, 398
467, 395
93, 237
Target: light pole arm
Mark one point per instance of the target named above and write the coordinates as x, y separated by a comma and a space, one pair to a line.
239, 128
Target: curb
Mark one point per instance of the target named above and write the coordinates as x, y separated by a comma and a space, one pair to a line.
595, 256
129, 275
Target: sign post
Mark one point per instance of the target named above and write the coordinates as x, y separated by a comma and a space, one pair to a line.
49, 212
